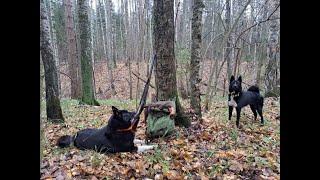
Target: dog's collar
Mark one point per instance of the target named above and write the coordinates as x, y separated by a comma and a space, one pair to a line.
131, 129
233, 94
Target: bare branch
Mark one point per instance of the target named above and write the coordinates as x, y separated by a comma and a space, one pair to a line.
65, 74
221, 20
142, 79
268, 19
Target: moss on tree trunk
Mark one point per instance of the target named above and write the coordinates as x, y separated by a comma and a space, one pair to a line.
86, 66
54, 112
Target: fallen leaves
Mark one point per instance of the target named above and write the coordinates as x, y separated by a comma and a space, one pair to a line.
235, 166
173, 175
213, 149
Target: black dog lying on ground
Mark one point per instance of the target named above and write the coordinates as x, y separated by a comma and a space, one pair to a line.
117, 136
239, 99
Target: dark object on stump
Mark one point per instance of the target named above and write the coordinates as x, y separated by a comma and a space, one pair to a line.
159, 118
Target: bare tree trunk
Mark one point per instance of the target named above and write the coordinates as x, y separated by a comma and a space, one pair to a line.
195, 80
54, 39
130, 79
260, 52
228, 48
92, 47
126, 46
141, 27
74, 71
259, 66
271, 69
113, 34
41, 97
165, 75
105, 25
86, 59
54, 112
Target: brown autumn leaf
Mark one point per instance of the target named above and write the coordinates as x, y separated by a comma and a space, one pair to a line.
187, 156
196, 165
203, 177
206, 136
75, 172
94, 178
235, 166
128, 172
173, 175
47, 178
177, 164
139, 166
229, 177
157, 167
158, 177
174, 152
179, 142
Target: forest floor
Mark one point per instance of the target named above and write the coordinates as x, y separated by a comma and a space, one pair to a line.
215, 149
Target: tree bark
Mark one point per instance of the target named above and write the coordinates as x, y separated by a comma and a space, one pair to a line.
85, 46
54, 112
195, 79
228, 45
126, 46
165, 75
74, 69
41, 97
107, 23
271, 84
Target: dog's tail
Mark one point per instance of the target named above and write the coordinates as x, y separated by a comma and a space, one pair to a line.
254, 89
65, 141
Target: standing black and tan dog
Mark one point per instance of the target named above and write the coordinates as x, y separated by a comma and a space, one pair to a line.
239, 99
112, 138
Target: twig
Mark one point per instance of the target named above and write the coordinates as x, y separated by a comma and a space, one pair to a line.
66, 75
268, 19
142, 79
135, 119
205, 84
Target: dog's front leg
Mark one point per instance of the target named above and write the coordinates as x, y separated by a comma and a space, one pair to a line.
230, 112
238, 116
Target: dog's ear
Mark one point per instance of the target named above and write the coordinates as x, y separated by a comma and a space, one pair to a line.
115, 111
232, 78
240, 79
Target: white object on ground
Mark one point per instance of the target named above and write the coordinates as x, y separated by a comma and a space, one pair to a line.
144, 148
138, 141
